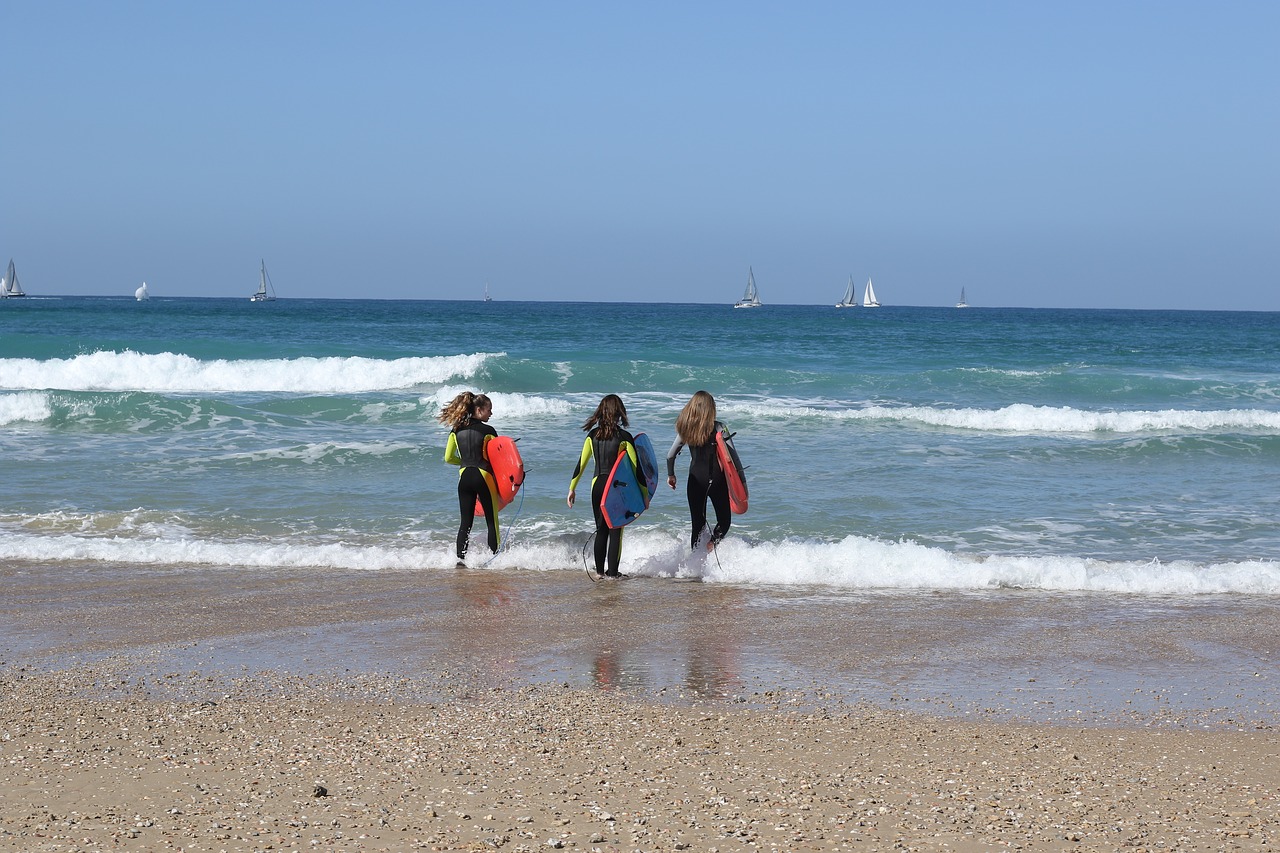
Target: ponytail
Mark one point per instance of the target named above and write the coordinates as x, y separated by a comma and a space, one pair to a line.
459, 411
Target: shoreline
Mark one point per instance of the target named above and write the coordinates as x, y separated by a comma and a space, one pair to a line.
198, 710
1111, 661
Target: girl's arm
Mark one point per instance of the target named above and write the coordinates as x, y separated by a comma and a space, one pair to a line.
676, 447
580, 468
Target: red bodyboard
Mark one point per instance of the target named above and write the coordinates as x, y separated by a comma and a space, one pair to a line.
508, 471
733, 473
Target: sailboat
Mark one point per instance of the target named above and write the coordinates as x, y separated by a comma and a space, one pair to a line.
850, 299
869, 296
141, 293
266, 292
9, 284
750, 296
487, 297
962, 303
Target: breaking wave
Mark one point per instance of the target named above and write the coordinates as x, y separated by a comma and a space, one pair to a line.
1022, 418
172, 372
852, 563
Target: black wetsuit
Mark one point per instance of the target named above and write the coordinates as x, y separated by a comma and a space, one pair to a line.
475, 481
608, 544
706, 480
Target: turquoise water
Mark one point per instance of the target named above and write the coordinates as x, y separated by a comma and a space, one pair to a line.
917, 448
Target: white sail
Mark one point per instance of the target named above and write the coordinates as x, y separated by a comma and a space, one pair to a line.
869, 296
750, 296
9, 284
266, 292
962, 303
487, 297
141, 293
850, 298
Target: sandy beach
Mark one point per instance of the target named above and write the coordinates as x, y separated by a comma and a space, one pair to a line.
227, 710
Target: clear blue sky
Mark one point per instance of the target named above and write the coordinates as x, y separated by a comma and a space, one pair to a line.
1067, 154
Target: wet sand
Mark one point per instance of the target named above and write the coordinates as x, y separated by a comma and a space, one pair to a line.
223, 709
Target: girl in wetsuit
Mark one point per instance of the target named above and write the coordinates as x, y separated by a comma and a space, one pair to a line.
469, 436
696, 427
606, 439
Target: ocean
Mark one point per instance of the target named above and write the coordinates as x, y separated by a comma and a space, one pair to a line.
919, 449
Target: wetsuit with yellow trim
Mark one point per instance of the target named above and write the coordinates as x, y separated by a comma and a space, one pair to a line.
608, 545
468, 447
706, 480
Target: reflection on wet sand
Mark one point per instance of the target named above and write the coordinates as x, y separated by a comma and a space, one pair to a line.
692, 649
1027, 655
712, 666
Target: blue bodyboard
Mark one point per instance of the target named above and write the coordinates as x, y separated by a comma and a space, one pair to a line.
648, 463
625, 498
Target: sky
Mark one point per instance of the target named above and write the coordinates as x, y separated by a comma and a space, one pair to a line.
1038, 154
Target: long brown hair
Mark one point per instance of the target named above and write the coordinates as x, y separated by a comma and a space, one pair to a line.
697, 420
608, 416
461, 410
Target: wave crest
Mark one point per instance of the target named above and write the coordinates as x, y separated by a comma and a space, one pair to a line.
29, 407
1026, 418
174, 372
854, 563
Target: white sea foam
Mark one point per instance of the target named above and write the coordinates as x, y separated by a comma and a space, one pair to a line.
171, 372
860, 563
504, 405
272, 554
853, 563
314, 453
1001, 371
1022, 418
375, 412
29, 407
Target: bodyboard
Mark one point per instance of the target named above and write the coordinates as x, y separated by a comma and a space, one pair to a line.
731, 465
508, 471
648, 463
623, 499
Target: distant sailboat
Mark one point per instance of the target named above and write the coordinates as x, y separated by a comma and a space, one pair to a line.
962, 303
266, 292
869, 296
141, 293
750, 296
850, 299
487, 297
9, 284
